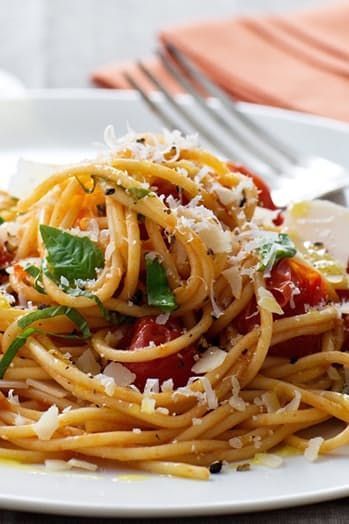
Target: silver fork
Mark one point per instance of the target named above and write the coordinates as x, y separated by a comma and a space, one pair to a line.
221, 123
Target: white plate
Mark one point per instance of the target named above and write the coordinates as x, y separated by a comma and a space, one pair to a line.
62, 126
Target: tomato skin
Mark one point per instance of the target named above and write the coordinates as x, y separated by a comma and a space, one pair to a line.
177, 366
164, 187
286, 276
264, 196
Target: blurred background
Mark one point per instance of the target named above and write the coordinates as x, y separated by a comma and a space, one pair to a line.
57, 44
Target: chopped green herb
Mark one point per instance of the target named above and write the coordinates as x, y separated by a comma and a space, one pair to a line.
2, 220
70, 256
158, 290
41, 314
57, 311
13, 349
138, 192
36, 273
86, 189
274, 250
113, 317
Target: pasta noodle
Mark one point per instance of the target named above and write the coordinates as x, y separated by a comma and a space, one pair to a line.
148, 317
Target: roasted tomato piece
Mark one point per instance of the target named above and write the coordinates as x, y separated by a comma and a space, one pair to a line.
178, 366
265, 199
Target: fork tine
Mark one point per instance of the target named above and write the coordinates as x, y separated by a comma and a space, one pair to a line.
190, 118
236, 130
262, 135
155, 108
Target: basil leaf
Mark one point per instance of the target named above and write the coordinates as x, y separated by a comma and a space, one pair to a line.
36, 273
70, 256
272, 251
113, 317
13, 349
2, 220
56, 311
88, 190
158, 291
138, 192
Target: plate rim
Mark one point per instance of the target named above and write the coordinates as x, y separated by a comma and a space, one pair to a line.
96, 509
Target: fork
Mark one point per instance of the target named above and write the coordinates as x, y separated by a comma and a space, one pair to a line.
222, 124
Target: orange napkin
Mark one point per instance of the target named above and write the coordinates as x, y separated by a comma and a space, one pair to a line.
299, 61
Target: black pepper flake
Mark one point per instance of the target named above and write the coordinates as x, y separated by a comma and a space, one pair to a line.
157, 436
210, 252
243, 467
243, 200
345, 389
109, 191
101, 210
216, 467
42, 306
140, 140
244, 352
293, 359
318, 244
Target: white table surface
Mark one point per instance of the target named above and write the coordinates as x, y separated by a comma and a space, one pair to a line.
57, 43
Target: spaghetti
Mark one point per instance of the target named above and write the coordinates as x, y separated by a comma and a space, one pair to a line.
148, 318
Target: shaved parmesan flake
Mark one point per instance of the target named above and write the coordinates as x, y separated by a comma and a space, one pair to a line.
151, 386
167, 385
266, 300
234, 279
268, 459
211, 359
235, 442
87, 362
196, 421
311, 452
293, 405
216, 310
148, 405
30, 174
212, 401
235, 400
162, 318
63, 465
107, 382
47, 423
121, 375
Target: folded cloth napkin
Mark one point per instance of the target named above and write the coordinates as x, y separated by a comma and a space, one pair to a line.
298, 61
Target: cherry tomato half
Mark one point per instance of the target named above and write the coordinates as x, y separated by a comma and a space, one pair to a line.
178, 366
295, 287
